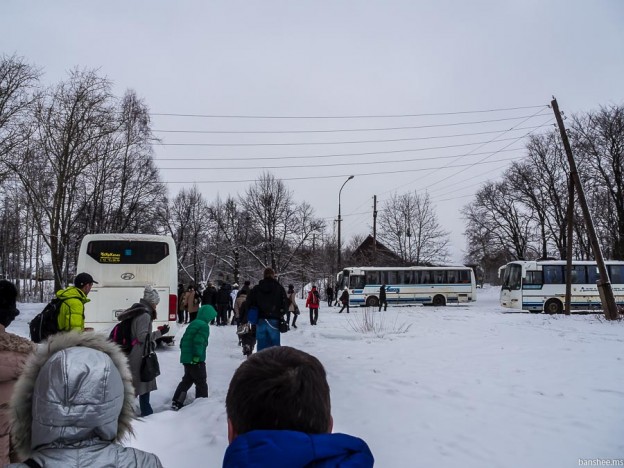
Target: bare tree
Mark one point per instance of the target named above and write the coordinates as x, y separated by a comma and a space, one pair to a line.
189, 224
409, 225
71, 122
599, 138
18, 81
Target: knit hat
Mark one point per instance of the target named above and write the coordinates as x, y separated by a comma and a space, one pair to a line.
151, 295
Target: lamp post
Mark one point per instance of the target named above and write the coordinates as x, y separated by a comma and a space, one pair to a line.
338, 265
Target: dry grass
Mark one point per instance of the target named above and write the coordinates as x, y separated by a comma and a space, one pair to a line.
368, 320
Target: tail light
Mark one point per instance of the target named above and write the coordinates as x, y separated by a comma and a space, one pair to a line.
173, 307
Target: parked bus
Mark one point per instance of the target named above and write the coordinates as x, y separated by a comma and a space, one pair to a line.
539, 286
436, 286
123, 264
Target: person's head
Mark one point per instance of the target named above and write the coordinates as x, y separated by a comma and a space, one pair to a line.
84, 281
291, 288
313, 288
191, 287
151, 296
74, 389
269, 273
8, 301
247, 283
235, 286
279, 388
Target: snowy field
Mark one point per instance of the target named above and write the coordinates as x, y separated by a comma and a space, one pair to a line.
465, 386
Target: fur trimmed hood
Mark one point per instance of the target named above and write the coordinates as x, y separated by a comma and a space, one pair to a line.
74, 388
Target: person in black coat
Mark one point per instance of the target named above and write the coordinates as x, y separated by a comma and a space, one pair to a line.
382, 297
209, 296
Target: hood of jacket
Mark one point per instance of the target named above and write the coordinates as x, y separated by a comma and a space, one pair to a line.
206, 313
136, 309
75, 388
291, 449
73, 292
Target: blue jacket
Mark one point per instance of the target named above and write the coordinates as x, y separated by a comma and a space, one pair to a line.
291, 449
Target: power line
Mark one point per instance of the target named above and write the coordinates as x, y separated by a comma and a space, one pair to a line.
263, 132
365, 174
380, 116
315, 143
350, 163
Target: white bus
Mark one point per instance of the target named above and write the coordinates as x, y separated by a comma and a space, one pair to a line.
436, 286
123, 264
539, 286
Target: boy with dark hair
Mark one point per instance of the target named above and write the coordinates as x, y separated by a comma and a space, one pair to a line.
279, 415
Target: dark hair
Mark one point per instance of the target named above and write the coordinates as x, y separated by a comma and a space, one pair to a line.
279, 388
269, 273
8, 298
291, 288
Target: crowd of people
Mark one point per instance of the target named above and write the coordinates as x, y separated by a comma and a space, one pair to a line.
70, 400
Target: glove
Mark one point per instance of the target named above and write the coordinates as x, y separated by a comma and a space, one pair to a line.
164, 329
195, 359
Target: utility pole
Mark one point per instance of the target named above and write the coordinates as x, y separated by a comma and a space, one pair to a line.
375, 228
604, 285
570, 232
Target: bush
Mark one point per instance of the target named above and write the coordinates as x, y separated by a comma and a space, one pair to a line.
368, 320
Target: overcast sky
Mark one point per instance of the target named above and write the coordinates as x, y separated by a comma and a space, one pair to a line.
425, 65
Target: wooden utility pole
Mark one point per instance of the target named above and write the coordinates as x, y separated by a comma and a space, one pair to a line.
375, 228
568, 296
604, 285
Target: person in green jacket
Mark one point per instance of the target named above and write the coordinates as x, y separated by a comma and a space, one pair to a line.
193, 357
71, 314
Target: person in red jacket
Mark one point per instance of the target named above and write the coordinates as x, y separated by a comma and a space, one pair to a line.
312, 302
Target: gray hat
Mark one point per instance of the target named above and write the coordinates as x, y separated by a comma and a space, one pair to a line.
151, 295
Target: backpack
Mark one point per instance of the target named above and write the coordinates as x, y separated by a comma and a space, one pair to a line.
314, 299
121, 334
45, 323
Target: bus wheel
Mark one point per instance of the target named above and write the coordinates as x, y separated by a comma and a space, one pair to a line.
372, 301
439, 301
553, 306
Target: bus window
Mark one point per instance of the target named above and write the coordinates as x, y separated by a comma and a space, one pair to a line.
408, 277
372, 277
464, 276
553, 274
439, 276
579, 274
425, 277
533, 278
513, 274
452, 276
593, 274
127, 252
392, 277
616, 274
357, 281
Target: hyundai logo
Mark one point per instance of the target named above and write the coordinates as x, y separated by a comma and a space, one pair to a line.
127, 276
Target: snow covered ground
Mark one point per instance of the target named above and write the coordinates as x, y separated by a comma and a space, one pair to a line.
465, 386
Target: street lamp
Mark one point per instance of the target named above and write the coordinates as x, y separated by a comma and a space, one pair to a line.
339, 220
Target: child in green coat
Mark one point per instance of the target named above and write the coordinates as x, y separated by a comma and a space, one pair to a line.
193, 357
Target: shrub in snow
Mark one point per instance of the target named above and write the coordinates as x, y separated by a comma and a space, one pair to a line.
369, 320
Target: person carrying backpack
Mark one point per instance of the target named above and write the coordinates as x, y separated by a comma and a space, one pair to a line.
143, 314
71, 312
313, 303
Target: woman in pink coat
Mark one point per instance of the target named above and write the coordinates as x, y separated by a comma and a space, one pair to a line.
14, 350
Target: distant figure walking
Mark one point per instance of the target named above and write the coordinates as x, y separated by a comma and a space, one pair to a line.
382, 297
313, 303
292, 306
330, 295
344, 298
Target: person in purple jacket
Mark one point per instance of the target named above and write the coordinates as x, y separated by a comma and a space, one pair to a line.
279, 415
